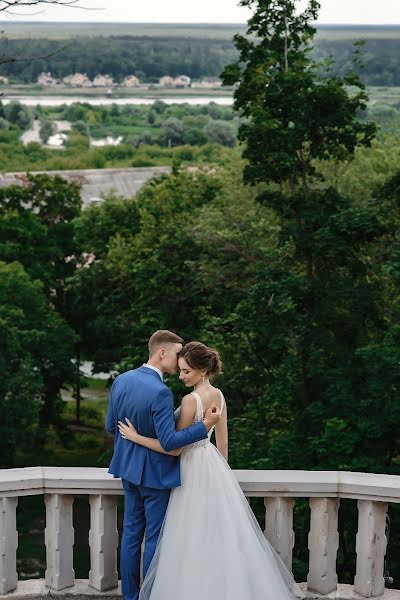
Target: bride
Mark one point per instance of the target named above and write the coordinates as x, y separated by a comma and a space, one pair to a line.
211, 546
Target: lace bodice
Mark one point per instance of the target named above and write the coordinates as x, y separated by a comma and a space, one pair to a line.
199, 417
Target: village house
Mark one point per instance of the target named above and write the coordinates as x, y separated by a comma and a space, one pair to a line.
182, 81
78, 80
131, 81
207, 82
166, 81
103, 81
46, 79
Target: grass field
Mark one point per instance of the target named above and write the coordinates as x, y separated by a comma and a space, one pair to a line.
223, 31
118, 92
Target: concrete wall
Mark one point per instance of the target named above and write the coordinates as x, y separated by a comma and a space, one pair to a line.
97, 183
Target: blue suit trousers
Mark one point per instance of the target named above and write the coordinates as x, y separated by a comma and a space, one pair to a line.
144, 511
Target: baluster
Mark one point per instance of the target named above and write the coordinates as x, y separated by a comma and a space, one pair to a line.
323, 543
279, 527
8, 545
371, 548
103, 542
59, 540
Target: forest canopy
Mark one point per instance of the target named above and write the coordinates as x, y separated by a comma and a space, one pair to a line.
152, 55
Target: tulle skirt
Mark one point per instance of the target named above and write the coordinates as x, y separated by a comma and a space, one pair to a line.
211, 546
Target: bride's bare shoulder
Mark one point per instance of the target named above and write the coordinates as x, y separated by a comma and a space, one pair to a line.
188, 400
216, 392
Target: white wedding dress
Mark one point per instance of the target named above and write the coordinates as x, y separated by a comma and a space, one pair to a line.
211, 546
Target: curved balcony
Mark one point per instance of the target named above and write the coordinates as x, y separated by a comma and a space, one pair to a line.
278, 489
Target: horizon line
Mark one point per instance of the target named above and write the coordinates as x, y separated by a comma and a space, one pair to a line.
229, 23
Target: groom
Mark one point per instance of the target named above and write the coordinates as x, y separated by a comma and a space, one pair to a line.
148, 476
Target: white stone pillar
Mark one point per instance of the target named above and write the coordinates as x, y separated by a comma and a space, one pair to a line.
103, 542
8, 545
59, 540
279, 527
371, 548
323, 543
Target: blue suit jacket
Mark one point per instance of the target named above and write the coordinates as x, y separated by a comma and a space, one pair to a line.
141, 396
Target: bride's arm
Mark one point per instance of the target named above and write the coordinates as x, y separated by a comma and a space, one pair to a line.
221, 434
128, 432
187, 413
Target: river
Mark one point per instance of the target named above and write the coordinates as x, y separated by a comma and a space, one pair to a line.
98, 101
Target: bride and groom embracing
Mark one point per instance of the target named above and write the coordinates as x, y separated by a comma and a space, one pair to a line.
202, 541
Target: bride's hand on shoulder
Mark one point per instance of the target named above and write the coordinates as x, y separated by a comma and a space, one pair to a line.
128, 432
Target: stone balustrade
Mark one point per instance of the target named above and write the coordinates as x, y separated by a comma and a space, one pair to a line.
279, 489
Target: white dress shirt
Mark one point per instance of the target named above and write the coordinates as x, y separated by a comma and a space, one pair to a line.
154, 369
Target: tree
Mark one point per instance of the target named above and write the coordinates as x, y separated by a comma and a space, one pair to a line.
91, 297
314, 309
151, 117
46, 130
36, 230
36, 346
295, 110
220, 132
315, 315
82, 128
145, 269
43, 208
25, 239
18, 114
173, 131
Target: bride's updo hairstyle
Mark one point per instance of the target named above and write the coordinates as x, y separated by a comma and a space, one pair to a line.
200, 356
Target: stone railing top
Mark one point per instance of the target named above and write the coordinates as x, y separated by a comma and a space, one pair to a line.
92, 480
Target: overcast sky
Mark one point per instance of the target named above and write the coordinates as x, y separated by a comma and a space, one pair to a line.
208, 11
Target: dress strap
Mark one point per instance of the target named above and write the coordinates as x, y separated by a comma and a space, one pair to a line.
222, 401
199, 413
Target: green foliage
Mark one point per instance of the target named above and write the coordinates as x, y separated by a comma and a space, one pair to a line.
185, 124
294, 111
37, 227
150, 57
317, 333
17, 114
173, 131
46, 130
82, 128
98, 225
36, 345
91, 297
220, 132
294, 279
36, 234
170, 49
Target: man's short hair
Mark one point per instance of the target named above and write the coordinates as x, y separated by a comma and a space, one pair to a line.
161, 337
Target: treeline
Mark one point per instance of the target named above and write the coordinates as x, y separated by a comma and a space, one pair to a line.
119, 56
380, 59
152, 57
